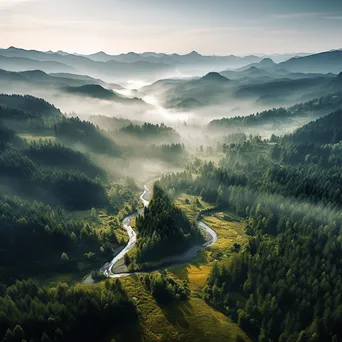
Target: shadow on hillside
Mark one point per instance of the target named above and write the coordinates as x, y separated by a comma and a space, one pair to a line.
176, 313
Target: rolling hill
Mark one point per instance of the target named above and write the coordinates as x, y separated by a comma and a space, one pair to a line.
98, 92
24, 63
325, 62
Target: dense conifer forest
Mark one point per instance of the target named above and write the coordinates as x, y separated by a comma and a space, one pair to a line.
164, 229
286, 283
29, 312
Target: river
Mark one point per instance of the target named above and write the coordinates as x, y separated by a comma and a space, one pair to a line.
106, 269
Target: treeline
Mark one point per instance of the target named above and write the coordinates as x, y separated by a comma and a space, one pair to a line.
29, 105
82, 134
27, 122
69, 188
171, 153
322, 131
313, 108
164, 229
285, 288
28, 114
174, 153
148, 131
49, 154
109, 123
34, 236
301, 171
9, 137
30, 312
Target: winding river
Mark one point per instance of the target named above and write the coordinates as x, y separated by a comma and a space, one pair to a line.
106, 269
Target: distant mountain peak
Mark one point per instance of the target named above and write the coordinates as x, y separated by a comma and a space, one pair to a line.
100, 53
214, 77
62, 53
131, 53
34, 72
189, 103
194, 53
266, 61
339, 77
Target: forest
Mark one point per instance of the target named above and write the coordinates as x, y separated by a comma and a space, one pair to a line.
148, 131
29, 312
276, 116
163, 230
285, 285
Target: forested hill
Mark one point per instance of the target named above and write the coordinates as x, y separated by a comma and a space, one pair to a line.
29, 104
286, 283
42, 184
149, 131
311, 109
92, 90
9, 137
75, 132
30, 312
326, 130
98, 92
164, 229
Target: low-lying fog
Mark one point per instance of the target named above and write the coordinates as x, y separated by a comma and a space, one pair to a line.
189, 123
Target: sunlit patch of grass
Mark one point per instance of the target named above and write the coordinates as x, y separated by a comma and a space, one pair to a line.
134, 222
191, 205
228, 227
228, 232
197, 276
192, 320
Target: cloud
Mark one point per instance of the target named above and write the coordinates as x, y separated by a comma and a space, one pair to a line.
308, 15
297, 15
334, 17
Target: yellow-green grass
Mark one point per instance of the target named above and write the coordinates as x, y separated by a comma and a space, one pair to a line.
191, 209
192, 320
228, 233
229, 230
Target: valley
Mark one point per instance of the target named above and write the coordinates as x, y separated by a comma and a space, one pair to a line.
163, 196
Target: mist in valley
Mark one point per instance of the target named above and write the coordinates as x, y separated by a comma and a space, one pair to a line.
170, 171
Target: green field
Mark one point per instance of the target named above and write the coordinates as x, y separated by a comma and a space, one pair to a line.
193, 320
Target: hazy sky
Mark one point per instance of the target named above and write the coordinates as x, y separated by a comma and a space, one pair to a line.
207, 26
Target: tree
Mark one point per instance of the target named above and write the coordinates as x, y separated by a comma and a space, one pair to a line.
64, 257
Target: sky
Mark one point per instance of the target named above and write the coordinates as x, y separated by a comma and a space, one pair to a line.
220, 27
